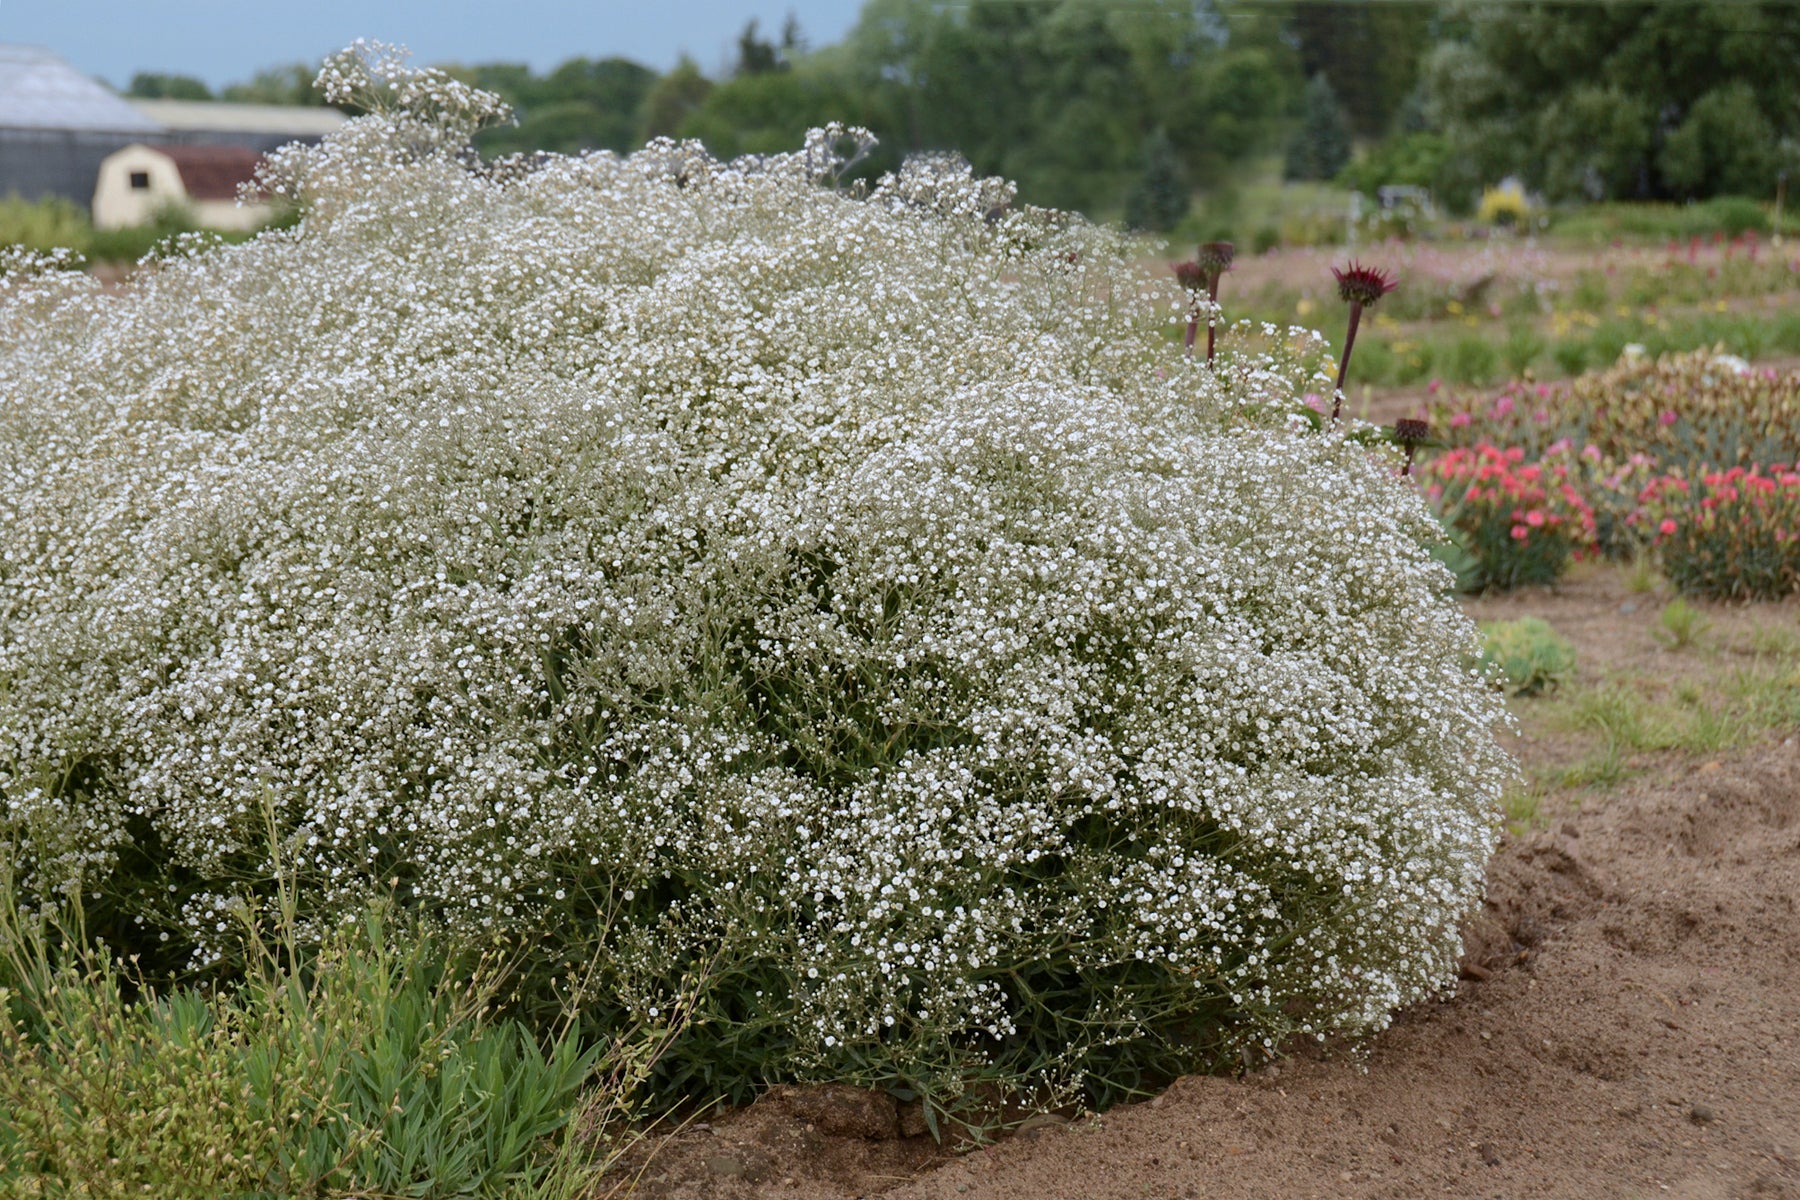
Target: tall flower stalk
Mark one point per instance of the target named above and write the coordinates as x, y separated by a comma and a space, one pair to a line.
1359, 287
1192, 276
1215, 259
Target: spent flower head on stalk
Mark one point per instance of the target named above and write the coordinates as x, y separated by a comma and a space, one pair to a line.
1358, 286
1214, 260
1411, 433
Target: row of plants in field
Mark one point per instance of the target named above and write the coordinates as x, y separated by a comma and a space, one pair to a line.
1483, 315
1694, 459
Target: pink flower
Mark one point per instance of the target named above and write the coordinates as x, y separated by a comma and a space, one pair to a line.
1460, 420
1503, 407
1520, 533
1667, 527
1669, 417
1535, 518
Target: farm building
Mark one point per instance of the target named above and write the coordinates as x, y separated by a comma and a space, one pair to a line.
140, 181
262, 127
56, 125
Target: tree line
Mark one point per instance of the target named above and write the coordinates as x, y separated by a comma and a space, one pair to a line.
1128, 108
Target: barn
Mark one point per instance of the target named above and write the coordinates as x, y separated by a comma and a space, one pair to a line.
57, 126
137, 183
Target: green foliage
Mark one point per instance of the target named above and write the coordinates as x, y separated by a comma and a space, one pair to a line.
765, 112
675, 97
1727, 145
360, 1069
54, 223
1320, 146
150, 85
1596, 101
1159, 199
44, 225
1061, 96
1729, 216
290, 84
1680, 624
1369, 52
1531, 655
1410, 159
584, 104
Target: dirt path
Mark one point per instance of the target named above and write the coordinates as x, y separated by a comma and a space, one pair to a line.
1628, 1026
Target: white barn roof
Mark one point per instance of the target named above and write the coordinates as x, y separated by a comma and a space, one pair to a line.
38, 90
216, 116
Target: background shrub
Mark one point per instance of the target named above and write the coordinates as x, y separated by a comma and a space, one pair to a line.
1517, 522
847, 619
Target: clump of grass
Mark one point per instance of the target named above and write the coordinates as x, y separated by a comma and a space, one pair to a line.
1680, 625
369, 1067
1531, 655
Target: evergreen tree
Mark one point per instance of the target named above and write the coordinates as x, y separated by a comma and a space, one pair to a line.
757, 55
1320, 147
1159, 199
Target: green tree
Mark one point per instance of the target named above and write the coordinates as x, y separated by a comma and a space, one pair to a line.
672, 99
1646, 98
766, 112
584, 104
1060, 95
1725, 146
759, 56
151, 85
292, 84
1320, 145
1369, 50
1159, 199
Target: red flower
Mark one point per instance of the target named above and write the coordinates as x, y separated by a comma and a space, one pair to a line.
1362, 285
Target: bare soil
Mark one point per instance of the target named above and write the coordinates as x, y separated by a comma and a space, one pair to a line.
1627, 1024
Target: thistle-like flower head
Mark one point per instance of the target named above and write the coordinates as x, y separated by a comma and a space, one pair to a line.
1215, 257
1191, 275
1411, 431
1362, 285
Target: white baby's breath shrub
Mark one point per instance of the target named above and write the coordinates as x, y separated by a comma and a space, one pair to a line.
853, 602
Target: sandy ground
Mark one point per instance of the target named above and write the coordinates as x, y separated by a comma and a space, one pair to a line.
1628, 1025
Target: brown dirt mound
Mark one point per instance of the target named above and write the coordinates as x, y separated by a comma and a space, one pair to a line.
1628, 1025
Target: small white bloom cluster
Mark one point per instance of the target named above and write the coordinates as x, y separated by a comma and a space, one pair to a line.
858, 596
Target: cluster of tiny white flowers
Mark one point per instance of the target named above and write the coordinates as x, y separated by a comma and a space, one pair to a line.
864, 586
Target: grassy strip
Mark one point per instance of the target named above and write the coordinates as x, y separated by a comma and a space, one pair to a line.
1621, 720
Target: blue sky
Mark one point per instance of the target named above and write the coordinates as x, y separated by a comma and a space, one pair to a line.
225, 40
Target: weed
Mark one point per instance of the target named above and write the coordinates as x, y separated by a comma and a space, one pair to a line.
1680, 624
